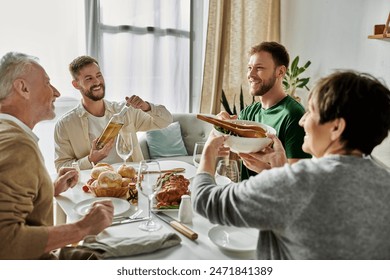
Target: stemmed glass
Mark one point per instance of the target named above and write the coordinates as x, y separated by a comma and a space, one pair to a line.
227, 169
148, 183
198, 149
124, 146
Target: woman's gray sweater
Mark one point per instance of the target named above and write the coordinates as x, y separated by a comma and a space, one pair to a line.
335, 207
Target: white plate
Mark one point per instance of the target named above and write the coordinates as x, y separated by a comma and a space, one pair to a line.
233, 238
120, 205
174, 209
163, 210
244, 144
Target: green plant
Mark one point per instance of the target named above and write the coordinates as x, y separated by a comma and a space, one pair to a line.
292, 79
233, 110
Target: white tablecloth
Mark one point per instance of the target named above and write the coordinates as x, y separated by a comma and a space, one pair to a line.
202, 248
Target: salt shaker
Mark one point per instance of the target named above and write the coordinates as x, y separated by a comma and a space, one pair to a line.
76, 166
185, 209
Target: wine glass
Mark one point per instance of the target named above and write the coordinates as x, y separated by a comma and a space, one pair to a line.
227, 170
124, 146
198, 149
148, 184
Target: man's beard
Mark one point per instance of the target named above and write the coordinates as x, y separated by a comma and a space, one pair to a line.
265, 87
89, 93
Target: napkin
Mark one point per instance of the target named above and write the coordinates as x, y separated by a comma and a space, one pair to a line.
114, 247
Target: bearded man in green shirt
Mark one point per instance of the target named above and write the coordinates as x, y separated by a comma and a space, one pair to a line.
268, 63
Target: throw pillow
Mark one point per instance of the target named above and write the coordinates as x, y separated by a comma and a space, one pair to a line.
166, 142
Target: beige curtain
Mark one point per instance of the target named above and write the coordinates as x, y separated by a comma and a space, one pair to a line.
233, 27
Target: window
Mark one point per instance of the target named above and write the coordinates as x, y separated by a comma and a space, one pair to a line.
143, 48
52, 30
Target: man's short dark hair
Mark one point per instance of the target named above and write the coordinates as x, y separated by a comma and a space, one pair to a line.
278, 52
78, 63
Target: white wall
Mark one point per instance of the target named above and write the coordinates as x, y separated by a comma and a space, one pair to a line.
332, 34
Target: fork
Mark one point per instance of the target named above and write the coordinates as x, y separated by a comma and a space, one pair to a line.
125, 220
132, 217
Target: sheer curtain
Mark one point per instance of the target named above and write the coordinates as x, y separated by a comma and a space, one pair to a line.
144, 49
53, 31
233, 27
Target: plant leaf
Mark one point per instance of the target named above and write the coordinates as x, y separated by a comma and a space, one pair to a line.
225, 103
286, 84
301, 70
234, 105
242, 105
294, 67
291, 80
303, 82
307, 64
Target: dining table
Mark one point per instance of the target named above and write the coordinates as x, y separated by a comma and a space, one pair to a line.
212, 242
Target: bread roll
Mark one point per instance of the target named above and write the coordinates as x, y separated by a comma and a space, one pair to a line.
127, 171
95, 172
109, 179
100, 164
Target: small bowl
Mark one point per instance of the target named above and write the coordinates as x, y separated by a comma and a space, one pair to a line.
244, 144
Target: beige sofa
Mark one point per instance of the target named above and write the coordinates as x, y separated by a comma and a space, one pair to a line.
192, 130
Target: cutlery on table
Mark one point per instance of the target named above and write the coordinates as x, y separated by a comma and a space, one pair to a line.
128, 221
187, 232
173, 170
119, 220
135, 215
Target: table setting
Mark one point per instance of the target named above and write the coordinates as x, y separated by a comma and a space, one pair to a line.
173, 238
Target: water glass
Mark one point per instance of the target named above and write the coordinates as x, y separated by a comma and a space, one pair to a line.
124, 146
198, 149
148, 184
228, 169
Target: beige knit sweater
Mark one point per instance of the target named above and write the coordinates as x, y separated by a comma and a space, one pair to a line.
26, 195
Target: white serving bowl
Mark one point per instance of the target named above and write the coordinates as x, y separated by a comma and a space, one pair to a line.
244, 144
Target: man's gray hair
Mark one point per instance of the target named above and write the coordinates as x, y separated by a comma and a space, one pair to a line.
12, 66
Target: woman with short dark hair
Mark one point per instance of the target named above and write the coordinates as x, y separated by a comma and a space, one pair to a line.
333, 206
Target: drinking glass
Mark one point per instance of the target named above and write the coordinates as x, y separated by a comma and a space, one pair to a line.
148, 184
198, 149
124, 146
227, 169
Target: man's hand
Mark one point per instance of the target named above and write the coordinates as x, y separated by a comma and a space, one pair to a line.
225, 116
98, 218
267, 158
255, 161
67, 178
138, 103
96, 155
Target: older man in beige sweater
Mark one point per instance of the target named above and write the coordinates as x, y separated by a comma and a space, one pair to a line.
26, 189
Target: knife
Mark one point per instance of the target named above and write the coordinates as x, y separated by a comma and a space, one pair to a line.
128, 221
173, 170
176, 225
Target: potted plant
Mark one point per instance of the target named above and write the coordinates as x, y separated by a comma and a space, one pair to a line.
292, 79
233, 110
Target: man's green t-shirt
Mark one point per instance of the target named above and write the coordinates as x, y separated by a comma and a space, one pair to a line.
284, 117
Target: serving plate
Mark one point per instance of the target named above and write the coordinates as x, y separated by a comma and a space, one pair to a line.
244, 144
233, 238
120, 205
154, 208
